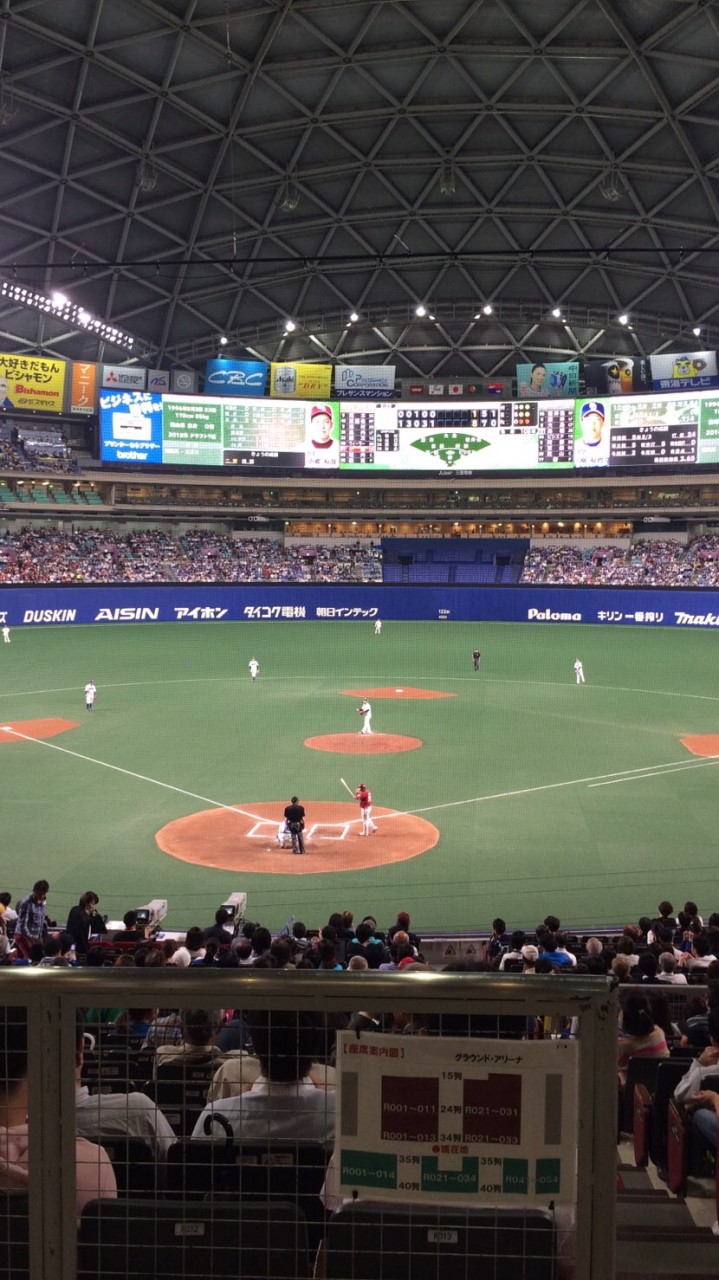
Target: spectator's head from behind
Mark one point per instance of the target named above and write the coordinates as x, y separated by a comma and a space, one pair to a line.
647, 966
701, 947
40, 890
665, 909
364, 932
261, 941
299, 930
357, 964
13, 1065
530, 956
667, 962
551, 923
286, 1043
199, 1027
594, 946
194, 938
519, 938
403, 920
130, 919
499, 927
637, 1016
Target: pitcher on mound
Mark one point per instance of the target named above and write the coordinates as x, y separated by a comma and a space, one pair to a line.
366, 712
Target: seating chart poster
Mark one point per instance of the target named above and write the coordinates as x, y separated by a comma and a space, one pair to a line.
457, 1120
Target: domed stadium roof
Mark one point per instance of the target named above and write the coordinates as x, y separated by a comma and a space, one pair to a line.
190, 169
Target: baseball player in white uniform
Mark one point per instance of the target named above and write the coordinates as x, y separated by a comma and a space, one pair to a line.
579, 672
90, 691
6, 634
284, 837
254, 666
366, 712
378, 627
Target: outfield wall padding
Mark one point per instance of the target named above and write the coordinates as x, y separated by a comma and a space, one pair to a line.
627, 606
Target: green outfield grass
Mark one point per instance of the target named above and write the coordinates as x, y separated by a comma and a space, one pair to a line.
506, 772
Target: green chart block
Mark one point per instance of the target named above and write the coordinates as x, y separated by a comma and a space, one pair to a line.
368, 1169
548, 1177
465, 1179
515, 1177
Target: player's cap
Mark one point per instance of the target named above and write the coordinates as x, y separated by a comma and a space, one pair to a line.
592, 406
321, 411
531, 954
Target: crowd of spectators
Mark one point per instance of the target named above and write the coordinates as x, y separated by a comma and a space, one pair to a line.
253, 1076
27, 449
44, 554
648, 563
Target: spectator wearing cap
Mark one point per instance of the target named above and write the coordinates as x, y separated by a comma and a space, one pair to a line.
530, 955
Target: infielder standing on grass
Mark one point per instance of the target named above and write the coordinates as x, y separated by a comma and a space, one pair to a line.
254, 666
365, 803
579, 672
90, 692
366, 712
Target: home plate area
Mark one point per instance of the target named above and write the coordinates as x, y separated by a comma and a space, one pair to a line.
245, 838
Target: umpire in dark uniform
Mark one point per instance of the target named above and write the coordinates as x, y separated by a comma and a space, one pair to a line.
295, 815
476, 657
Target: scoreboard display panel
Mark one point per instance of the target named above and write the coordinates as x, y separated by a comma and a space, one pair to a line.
673, 429
506, 435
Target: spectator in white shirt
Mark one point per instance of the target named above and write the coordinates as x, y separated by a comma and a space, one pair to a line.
668, 971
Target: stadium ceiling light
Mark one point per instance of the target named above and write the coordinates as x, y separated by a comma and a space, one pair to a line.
623, 318
431, 317
69, 312
223, 340
697, 330
420, 310
557, 313
354, 317
290, 326
487, 309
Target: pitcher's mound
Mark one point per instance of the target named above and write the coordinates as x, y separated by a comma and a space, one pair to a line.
37, 729
243, 839
702, 744
406, 692
363, 744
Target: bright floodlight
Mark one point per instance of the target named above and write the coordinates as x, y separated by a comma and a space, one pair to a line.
420, 310
353, 316
696, 330
223, 340
624, 319
59, 300
290, 326
556, 312
487, 309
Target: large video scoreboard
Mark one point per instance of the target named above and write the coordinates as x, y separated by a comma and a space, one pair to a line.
674, 429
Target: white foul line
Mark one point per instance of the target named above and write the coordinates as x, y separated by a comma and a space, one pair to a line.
649, 770
217, 804
658, 773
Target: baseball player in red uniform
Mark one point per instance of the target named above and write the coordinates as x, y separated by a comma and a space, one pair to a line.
365, 803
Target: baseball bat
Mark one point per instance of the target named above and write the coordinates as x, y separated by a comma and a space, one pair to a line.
344, 784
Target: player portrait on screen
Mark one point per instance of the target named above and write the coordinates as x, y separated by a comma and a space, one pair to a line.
323, 447
591, 435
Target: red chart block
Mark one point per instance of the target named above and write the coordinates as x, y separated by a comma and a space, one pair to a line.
410, 1109
493, 1110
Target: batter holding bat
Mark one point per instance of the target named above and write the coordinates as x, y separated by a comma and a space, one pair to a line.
364, 795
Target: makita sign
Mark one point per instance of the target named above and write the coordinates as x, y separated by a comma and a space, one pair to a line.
550, 615
696, 619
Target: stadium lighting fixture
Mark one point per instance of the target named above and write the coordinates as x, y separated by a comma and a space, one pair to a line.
68, 312
697, 330
556, 312
353, 317
487, 309
223, 340
623, 318
431, 317
420, 310
447, 182
290, 326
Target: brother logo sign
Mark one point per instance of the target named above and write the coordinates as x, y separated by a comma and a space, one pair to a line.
546, 615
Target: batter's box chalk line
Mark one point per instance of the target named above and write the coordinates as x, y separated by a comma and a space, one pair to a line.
264, 826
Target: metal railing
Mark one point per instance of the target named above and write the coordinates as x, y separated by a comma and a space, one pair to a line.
53, 997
